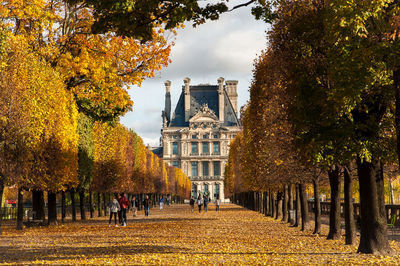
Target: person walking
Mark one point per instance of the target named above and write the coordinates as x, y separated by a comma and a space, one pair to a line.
199, 203
134, 204
161, 203
146, 205
169, 200
192, 203
114, 208
205, 203
119, 210
124, 204
217, 204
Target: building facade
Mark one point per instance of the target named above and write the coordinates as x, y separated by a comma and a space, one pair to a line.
196, 137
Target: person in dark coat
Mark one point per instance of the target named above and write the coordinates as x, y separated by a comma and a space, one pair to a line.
146, 205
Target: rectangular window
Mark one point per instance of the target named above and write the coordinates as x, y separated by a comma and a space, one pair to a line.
205, 168
205, 136
206, 189
194, 148
205, 148
194, 169
217, 168
194, 190
174, 147
216, 136
194, 136
216, 147
175, 163
216, 193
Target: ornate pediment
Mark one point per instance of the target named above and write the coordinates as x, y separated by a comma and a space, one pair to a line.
203, 118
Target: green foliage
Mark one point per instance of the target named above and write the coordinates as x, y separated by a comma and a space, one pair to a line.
138, 18
85, 150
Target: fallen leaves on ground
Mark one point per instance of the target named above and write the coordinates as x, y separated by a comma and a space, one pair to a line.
177, 236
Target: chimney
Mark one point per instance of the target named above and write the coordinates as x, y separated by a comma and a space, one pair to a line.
186, 90
221, 102
167, 100
231, 89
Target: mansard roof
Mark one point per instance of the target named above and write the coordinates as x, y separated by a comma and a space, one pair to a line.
203, 95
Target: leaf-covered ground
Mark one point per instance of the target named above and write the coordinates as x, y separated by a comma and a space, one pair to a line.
177, 236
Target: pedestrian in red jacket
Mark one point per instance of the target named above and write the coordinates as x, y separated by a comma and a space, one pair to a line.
124, 203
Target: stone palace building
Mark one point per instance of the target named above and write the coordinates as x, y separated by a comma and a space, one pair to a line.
196, 137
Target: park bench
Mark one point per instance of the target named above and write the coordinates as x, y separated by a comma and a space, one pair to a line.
32, 221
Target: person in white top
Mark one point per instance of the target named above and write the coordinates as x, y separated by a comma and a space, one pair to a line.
199, 202
217, 203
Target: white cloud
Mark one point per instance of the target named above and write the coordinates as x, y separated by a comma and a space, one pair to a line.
153, 142
224, 48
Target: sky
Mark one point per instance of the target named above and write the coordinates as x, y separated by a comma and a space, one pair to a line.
224, 48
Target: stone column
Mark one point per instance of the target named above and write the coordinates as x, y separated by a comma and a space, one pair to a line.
221, 191
199, 168
200, 188
211, 190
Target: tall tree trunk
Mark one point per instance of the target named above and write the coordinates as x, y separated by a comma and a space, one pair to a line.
285, 204
317, 207
82, 204
52, 208
1, 201
297, 219
278, 210
91, 204
20, 210
334, 215
63, 211
350, 225
372, 209
105, 204
266, 203
38, 205
290, 203
99, 204
272, 204
304, 207
396, 85
73, 205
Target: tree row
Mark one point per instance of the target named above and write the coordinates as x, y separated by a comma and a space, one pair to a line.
324, 105
63, 88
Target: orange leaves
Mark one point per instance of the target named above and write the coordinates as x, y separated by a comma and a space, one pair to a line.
123, 163
49, 113
97, 68
175, 236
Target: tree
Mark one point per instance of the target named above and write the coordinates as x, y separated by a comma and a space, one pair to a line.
138, 19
